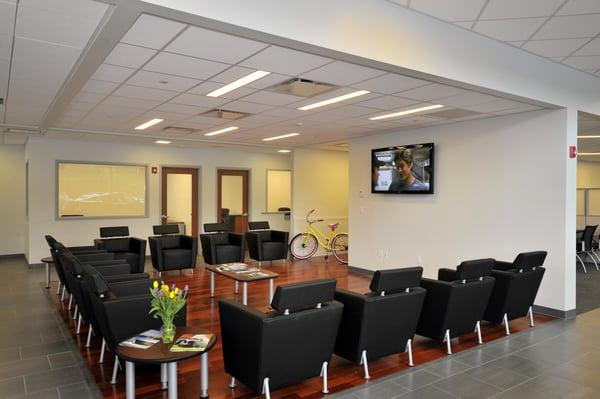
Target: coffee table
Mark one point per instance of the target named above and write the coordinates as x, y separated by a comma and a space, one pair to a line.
47, 260
244, 278
160, 353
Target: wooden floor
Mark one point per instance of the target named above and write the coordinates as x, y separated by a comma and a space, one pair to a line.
203, 312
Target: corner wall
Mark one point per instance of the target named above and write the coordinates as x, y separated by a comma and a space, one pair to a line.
501, 187
12, 199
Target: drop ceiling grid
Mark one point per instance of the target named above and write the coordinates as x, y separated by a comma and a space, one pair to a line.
125, 94
564, 31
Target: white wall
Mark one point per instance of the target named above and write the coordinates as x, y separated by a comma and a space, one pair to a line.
588, 176
44, 152
319, 181
12, 199
500, 188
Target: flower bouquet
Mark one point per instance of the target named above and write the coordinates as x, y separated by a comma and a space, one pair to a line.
166, 302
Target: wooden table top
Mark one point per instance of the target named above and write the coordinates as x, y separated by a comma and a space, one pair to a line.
160, 352
243, 277
47, 259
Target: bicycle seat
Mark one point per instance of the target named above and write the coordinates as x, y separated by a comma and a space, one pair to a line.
333, 226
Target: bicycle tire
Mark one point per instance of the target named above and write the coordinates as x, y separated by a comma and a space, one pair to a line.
341, 256
304, 236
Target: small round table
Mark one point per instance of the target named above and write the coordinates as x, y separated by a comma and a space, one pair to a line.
160, 353
47, 260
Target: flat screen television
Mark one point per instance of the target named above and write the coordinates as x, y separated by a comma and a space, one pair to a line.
406, 169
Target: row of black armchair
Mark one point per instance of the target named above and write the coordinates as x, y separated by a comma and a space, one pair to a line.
311, 321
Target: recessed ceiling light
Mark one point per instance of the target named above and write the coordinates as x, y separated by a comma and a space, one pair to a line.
334, 100
227, 129
588, 153
588, 137
238, 83
162, 142
146, 125
283, 136
284, 151
407, 112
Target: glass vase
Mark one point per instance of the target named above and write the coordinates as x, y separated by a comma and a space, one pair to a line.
168, 331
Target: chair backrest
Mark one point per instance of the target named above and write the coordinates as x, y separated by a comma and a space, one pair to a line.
283, 209
215, 227
50, 240
588, 237
395, 280
114, 231
526, 261
477, 269
290, 298
264, 225
164, 229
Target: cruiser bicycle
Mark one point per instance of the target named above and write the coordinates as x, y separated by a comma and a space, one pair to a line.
304, 245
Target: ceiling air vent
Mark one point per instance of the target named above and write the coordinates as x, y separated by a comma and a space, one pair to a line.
302, 87
225, 114
178, 129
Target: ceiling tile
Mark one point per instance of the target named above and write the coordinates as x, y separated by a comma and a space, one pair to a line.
580, 7
341, 73
214, 46
554, 48
181, 108
497, 9
465, 100
129, 56
162, 81
591, 48
285, 61
494, 106
284, 112
268, 81
200, 101
144, 93
390, 83
271, 98
206, 87
126, 102
92, 98
465, 24
509, 29
457, 10
353, 110
99, 86
566, 27
244, 106
432, 92
153, 32
202, 122
174, 64
590, 63
256, 121
78, 107
112, 73
386, 103
516, 44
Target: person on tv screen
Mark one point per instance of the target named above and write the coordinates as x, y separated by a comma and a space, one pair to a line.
404, 180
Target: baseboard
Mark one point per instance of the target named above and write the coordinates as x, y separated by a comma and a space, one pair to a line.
560, 314
359, 270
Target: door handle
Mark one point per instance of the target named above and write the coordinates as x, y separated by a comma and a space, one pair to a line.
244, 214
164, 217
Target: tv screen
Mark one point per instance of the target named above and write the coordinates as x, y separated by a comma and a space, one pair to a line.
406, 169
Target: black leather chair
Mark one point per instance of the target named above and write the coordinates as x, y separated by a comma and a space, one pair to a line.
116, 240
82, 249
515, 288
286, 346
455, 303
220, 246
382, 322
587, 247
172, 251
265, 244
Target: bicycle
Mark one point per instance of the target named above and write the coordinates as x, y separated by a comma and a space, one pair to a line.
304, 245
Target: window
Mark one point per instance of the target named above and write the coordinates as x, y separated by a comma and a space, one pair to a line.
97, 190
279, 189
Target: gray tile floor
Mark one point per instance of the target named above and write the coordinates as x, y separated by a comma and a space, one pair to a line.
561, 359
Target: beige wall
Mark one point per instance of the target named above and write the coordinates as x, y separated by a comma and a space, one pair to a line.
12, 199
588, 174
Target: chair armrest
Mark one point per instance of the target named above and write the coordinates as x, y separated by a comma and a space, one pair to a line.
254, 245
113, 270
126, 277
445, 274
83, 249
500, 265
137, 245
209, 249
108, 262
236, 239
156, 252
280, 236
128, 316
191, 243
99, 256
131, 287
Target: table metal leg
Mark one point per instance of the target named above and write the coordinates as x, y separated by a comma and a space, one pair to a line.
204, 375
129, 380
172, 372
236, 287
212, 284
47, 275
163, 376
245, 293
270, 290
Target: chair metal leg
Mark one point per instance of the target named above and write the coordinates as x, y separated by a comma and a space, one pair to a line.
582, 263
70, 301
232, 383
163, 376
58, 289
589, 254
409, 350
265, 388
478, 331
102, 349
530, 313
447, 341
113, 381
75, 312
505, 322
89, 337
363, 361
324, 375
64, 291
78, 325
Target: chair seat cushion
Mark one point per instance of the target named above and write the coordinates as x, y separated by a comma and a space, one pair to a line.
273, 250
177, 258
228, 253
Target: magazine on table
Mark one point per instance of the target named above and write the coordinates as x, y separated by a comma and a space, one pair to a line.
257, 275
143, 340
236, 267
191, 343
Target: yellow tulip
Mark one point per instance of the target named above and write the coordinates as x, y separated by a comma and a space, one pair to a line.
155, 284
172, 295
176, 291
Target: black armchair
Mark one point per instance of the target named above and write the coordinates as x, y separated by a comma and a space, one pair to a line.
515, 289
287, 346
266, 245
220, 246
82, 249
382, 322
172, 251
131, 249
455, 303
586, 246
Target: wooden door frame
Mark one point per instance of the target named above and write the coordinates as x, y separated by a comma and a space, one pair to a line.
164, 171
245, 173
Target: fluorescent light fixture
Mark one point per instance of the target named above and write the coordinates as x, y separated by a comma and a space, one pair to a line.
283, 136
284, 151
146, 125
588, 137
238, 83
407, 112
588, 153
227, 129
162, 142
334, 100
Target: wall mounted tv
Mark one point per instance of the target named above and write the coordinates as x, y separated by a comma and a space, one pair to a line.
406, 169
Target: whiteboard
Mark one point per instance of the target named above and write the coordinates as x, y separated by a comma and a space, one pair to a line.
99, 190
593, 202
279, 189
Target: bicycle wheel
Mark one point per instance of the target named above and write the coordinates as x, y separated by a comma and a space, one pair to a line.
339, 247
303, 246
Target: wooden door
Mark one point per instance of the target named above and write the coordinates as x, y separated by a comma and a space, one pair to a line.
232, 193
181, 186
